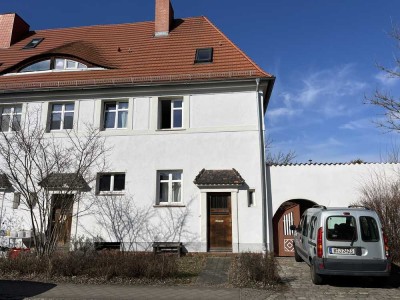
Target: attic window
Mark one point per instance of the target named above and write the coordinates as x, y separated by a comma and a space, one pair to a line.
204, 55
32, 44
53, 63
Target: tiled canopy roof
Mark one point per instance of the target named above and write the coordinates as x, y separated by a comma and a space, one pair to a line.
219, 177
4, 182
70, 181
130, 53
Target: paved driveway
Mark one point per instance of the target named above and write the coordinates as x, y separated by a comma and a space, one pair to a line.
299, 286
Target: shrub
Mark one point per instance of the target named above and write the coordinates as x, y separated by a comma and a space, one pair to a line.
383, 195
254, 270
106, 264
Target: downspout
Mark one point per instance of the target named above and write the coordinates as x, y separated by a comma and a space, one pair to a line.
2, 207
260, 111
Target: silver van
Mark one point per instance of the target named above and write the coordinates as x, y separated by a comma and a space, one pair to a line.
341, 241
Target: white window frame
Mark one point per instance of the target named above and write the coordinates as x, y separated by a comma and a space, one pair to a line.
172, 108
116, 110
11, 116
170, 181
65, 63
63, 111
111, 191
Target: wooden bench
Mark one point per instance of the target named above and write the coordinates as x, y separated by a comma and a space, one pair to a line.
161, 247
98, 246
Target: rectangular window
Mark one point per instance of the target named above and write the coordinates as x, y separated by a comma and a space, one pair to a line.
341, 228
171, 114
251, 198
170, 187
11, 118
111, 182
62, 116
115, 114
369, 229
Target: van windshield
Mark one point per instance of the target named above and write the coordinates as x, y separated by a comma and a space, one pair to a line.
341, 228
369, 229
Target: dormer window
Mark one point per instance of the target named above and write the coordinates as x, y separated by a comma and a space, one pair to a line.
59, 64
32, 44
67, 64
204, 55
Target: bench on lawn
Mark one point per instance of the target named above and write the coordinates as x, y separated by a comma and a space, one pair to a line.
107, 246
161, 247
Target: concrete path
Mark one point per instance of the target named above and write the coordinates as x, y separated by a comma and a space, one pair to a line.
215, 272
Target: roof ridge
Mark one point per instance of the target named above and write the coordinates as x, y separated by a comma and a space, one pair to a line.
237, 48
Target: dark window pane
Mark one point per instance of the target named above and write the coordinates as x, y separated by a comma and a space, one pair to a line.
204, 55
341, 228
57, 107
176, 176
110, 106
105, 183
123, 105
177, 118
16, 125
69, 106
369, 229
39, 66
177, 103
55, 122
5, 123
164, 176
165, 114
119, 182
68, 120
164, 192
109, 120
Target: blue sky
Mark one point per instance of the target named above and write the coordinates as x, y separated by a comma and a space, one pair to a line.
323, 53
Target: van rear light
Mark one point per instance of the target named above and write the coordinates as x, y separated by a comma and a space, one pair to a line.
320, 251
386, 244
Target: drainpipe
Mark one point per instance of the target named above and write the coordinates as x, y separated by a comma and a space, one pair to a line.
260, 111
2, 207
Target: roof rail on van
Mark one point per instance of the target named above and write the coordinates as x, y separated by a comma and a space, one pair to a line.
359, 206
319, 206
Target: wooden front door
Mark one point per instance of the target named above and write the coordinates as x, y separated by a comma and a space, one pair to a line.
219, 222
288, 214
61, 213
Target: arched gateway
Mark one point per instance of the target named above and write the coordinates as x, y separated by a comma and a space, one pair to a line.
287, 214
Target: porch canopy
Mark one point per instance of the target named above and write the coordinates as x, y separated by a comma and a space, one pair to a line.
219, 177
65, 181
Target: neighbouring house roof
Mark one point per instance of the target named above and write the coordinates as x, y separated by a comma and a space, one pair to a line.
218, 177
4, 182
129, 54
70, 181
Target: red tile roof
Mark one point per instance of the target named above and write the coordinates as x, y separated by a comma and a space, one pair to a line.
130, 53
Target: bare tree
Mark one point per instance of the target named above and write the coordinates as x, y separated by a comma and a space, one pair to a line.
382, 194
48, 174
389, 103
279, 157
122, 219
136, 227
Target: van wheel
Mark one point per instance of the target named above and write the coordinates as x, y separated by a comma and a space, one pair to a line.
297, 257
315, 278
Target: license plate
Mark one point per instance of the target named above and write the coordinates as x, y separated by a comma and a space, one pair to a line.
342, 251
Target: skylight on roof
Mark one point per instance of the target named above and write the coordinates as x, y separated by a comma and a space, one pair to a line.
204, 55
32, 44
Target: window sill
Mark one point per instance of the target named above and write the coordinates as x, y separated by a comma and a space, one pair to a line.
111, 193
169, 205
170, 129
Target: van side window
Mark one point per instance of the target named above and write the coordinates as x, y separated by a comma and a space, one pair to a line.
312, 227
369, 229
305, 227
341, 228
